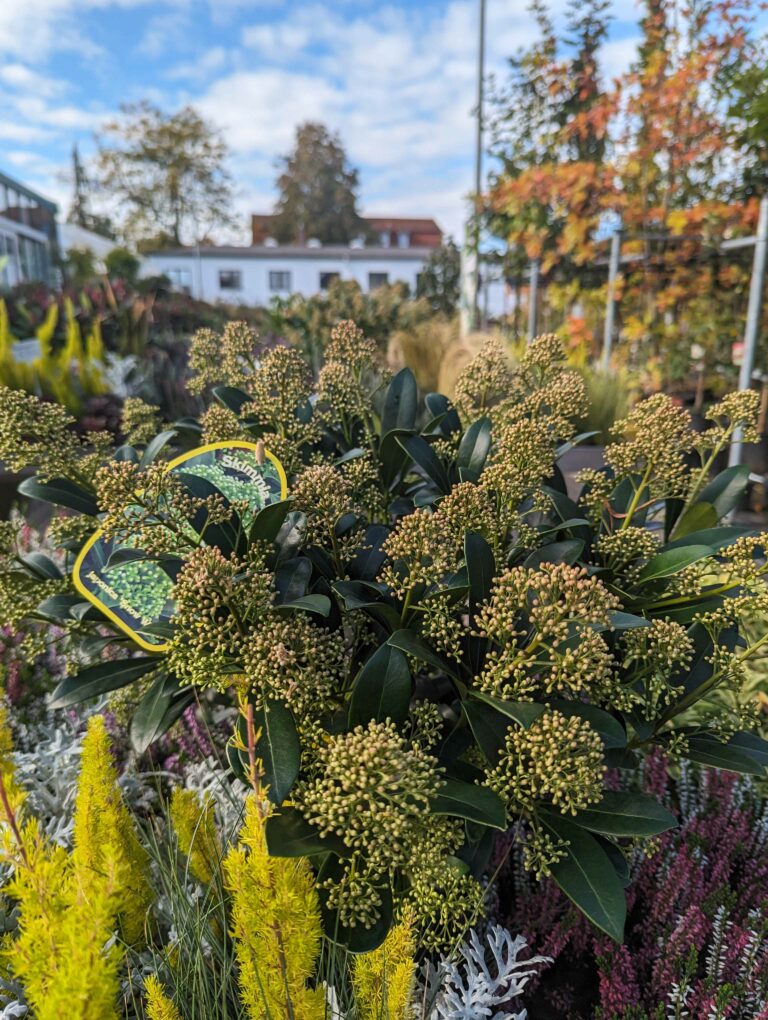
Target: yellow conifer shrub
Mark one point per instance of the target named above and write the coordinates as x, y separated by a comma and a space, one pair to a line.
61, 953
103, 824
275, 924
193, 823
383, 980
159, 1006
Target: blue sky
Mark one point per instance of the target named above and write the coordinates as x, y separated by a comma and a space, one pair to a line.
396, 78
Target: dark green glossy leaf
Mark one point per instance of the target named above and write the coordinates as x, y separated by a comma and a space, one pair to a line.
158, 710
60, 492
666, 564
695, 518
489, 728
125, 452
269, 520
415, 646
625, 813
231, 397
41, 566
732, 757
419, 450
752, 744
367, 563
567, 551
155, 446
521, 712
475, 803
473, 451
393, 458
382, 689
481, 568
400, 402
94, 681
292, 579
289, 834
318, 604
587, 877
440, 407
627, 621
59, 607
277, 746
726, 490
715, 538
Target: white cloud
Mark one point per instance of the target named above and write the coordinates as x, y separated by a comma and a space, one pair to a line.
398, 80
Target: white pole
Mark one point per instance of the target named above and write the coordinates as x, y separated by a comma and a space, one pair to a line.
610, 303
752, 328
533, 299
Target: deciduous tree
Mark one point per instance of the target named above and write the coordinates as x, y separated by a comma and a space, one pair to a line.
167, 172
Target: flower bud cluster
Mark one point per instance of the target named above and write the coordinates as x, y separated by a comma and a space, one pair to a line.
622, 548
443, 899
373, 789
150, 508
35, 433
140, 421
325, 495
542, 627
556, 760
485, 381
741, 410
220, 425
656, 437
228, 358
290, 659
217, 597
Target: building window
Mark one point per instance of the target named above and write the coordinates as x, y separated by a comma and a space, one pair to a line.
181, 279
230, 279
385, 239
403, 239
377, 280
279, 279
326, 279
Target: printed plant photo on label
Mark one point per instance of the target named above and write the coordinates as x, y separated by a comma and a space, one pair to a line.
133, 590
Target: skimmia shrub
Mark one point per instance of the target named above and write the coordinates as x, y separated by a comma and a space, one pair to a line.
436, 641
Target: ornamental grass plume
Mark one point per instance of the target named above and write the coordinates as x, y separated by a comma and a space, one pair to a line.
275, 917
104, 827
159, 1005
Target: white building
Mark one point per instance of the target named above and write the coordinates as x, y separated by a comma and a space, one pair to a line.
27, 234
75, 238
254, 275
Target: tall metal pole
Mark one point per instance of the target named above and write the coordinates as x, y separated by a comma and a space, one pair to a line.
533, 299
610, 303
752, 328
475, 312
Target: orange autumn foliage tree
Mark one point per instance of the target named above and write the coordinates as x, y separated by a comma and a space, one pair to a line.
655, 148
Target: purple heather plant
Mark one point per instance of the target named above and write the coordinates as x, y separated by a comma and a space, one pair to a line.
696, 942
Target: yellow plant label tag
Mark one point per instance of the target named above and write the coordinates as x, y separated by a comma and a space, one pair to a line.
135, 591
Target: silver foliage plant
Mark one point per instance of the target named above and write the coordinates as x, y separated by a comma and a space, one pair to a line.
481, 978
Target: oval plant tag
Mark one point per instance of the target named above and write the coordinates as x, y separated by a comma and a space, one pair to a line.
133, 591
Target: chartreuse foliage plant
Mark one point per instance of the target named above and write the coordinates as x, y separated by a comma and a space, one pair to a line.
436, 640
89, 917
71, 905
